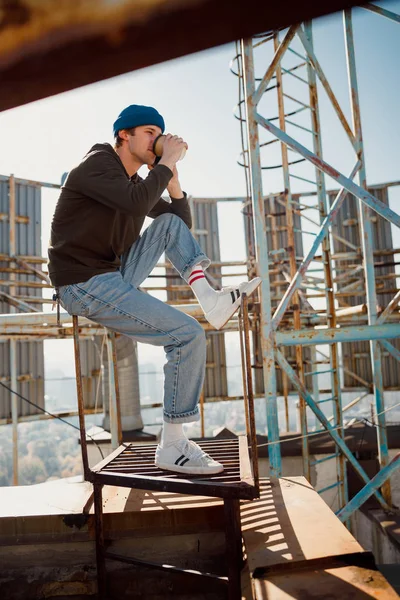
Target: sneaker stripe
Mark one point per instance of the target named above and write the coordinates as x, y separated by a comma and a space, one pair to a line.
180, 458
237, 293
233, 297
184, 462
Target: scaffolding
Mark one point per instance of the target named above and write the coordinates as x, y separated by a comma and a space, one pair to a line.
287, 315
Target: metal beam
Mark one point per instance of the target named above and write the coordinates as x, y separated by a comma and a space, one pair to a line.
340, 334
279, 52
391, 349
382, 209
367, 240
321, 75
366, 492
382, 11
324, 421
307, 39
262, 260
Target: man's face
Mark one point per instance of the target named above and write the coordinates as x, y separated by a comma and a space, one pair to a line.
141, 143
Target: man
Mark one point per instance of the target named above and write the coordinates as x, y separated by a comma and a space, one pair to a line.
98, 259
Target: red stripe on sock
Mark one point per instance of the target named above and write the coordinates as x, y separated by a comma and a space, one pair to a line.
193, 279
195, 272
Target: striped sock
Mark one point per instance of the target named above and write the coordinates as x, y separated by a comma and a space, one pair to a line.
204, 293
196, 274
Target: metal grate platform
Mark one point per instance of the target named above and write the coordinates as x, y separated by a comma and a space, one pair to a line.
133, 466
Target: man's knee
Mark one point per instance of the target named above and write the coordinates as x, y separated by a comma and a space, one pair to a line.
198, 333
168, 218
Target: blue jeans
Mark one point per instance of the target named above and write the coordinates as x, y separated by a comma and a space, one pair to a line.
114, 300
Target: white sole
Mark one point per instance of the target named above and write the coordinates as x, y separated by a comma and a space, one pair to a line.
218, 325
190, 470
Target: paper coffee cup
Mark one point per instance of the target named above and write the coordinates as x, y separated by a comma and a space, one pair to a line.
158, 147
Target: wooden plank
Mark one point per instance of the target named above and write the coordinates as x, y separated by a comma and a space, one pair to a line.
246, 472
291, 522
64, 496
291, 537
355, 583
122, 499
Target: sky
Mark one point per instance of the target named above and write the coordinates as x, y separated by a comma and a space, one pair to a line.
197, 95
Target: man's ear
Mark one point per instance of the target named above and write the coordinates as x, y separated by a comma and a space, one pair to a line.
123, 134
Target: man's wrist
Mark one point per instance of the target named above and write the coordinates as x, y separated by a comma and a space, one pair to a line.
175, 191
183, 196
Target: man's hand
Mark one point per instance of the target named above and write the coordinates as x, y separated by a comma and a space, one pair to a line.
174, 187
173, 146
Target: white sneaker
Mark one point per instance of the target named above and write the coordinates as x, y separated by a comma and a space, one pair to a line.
228, 302
185, 456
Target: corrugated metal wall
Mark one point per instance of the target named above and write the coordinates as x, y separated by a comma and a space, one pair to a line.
356, 355
30, 360
205, 229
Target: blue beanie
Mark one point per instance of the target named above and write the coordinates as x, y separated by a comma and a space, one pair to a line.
136, 115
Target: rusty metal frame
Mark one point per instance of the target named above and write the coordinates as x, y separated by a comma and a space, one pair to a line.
272, 347
241, 481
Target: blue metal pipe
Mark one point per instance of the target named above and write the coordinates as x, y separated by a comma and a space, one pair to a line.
326, 400
328, 487
382, 11
382, 209
341, 334
320, 372
326, 250
262, 254
369, 489
367, 240
391, 349
324, 421
321, 460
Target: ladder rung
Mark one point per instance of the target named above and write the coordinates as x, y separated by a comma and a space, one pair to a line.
297, 100
320, 372
326, 400
320, 460
329, 487
304, 231
304, 179
298, 54
301, 127
294, 75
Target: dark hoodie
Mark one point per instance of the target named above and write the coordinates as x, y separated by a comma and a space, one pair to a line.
100, 213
